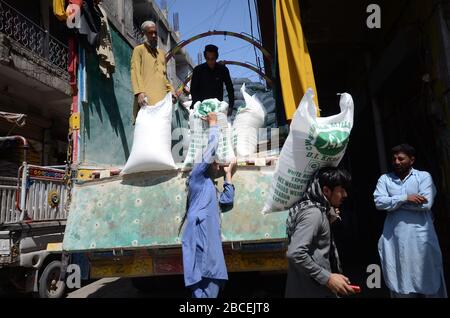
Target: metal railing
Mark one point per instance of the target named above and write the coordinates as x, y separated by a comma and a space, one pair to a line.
8, 190
44, 196
37, 203
30, 35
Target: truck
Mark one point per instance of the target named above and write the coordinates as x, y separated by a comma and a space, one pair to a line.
127, 226
85, 213
33, 216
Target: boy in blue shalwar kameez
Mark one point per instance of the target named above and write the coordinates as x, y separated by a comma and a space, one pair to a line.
203, 259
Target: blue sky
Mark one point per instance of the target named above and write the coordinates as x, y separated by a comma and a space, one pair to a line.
198, 16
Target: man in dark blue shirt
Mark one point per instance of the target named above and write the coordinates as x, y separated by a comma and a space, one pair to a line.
208, 79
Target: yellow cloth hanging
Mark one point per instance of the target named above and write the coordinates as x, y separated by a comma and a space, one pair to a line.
296, 72
59, 10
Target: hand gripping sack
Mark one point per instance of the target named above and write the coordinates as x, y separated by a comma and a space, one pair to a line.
199, 133
247, 122
152, 139
313, 142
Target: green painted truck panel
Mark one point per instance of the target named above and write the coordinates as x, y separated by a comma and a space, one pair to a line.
145, 210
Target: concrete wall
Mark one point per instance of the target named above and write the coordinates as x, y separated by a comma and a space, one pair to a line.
120, 14
177, 69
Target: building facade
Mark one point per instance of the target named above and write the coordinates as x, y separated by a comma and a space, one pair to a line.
34, 80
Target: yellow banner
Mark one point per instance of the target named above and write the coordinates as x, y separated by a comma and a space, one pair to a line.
296, 72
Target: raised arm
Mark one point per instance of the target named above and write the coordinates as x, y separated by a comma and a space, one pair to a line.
227, 196
195, 87
230, 90
201, 168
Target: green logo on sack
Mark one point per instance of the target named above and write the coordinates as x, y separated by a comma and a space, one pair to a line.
331, 143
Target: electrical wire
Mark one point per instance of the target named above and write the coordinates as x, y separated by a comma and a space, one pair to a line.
171, 5
223, 14
214, 14
202, 43
258, 23
236, 49
192, 30
253, 35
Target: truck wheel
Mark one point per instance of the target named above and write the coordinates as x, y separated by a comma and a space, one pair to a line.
49, 284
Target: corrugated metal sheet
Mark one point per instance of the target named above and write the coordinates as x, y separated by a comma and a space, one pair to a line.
8, 187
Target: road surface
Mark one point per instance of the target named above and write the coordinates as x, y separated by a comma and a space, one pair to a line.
239, 285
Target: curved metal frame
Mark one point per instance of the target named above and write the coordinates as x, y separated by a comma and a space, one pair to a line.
250, 67
225, 33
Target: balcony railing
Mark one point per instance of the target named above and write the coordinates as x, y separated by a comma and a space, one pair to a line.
31, 36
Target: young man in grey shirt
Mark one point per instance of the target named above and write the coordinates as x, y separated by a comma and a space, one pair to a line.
311, 244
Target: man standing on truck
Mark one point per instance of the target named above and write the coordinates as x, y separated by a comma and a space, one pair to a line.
208, 79
410, 255
312, 253
149, 70
203, 260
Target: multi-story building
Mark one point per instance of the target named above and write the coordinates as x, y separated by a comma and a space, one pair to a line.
33, 70
128, 15
34, 80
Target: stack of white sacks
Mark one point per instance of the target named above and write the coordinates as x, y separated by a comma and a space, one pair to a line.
264, 95
313, 142
248, 119
240, 134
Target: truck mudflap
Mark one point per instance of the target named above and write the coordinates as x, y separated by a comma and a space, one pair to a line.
145, 211
142, 263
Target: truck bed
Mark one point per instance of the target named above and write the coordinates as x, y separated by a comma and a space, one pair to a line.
145, 210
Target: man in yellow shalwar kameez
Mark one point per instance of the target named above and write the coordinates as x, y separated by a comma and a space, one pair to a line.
149, 70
